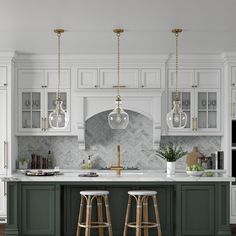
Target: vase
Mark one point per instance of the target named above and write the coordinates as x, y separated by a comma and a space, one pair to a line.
170, 167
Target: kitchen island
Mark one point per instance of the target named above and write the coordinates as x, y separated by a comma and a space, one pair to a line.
49, 205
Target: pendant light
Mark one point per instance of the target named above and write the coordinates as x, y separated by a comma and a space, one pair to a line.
59, 119
118, 118
176, 118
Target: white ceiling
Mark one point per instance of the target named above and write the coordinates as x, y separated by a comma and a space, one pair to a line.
27, 25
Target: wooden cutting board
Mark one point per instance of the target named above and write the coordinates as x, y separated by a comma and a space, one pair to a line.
193, 156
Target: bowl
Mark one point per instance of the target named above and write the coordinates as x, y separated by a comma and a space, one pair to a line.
194, 173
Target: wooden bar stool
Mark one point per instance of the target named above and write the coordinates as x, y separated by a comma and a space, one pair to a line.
88, 197
141, 198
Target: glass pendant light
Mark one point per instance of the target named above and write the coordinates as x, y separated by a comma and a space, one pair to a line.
59, 119
176, 118
118, 118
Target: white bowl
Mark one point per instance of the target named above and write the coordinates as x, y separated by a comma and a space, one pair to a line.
194, 173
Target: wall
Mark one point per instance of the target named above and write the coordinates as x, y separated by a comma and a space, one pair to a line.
101, 142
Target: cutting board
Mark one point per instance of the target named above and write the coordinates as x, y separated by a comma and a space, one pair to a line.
193, 156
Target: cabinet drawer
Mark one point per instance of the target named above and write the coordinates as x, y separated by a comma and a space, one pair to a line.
128, 78
3, 76
185, 79
87, 78
30, 78
150, 78
208, 78
52, 79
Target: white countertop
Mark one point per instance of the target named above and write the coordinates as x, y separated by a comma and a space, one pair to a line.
110, 176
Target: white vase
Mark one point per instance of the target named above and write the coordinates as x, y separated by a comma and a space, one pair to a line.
170, 168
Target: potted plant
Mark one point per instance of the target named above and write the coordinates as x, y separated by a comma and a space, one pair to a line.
23, 163
171, 154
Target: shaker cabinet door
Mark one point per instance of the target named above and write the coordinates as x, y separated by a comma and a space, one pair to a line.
30, 79
3, 76
3, 202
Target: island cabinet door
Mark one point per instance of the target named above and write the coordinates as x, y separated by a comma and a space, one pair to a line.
38, 210
197, 210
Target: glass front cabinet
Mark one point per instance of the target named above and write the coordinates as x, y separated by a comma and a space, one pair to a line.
202, 107
37, 99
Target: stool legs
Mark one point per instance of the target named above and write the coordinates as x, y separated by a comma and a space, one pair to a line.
80, 215
108, 215
145, 214
88, 216
157, 215
100, 216
127, 216
139, 216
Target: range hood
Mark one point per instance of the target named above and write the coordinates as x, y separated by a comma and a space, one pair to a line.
147, 103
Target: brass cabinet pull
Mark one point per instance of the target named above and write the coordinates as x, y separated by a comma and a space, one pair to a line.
196, 124
42, 124
116, 86
192, 123
95, 86
5, 154
233, 111
142, 86
5, 188
5, 84
45, 124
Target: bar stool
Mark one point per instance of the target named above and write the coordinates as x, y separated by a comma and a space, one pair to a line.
88, 197
141, 198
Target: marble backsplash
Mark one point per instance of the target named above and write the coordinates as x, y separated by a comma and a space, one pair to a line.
101, 142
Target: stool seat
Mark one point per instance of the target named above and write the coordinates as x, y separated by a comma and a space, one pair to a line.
142, 193
94, 192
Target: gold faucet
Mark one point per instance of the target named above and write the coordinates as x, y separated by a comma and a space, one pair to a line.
118, 167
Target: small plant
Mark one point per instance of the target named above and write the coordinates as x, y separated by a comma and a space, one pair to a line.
171, 153
24, 160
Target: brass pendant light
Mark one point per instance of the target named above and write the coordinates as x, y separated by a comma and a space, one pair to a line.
118, 118
176, 118
59, 118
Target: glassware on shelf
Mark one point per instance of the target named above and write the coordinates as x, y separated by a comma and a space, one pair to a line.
204, 103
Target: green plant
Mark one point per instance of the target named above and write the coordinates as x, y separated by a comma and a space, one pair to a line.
24, 160
196, 167
170, 152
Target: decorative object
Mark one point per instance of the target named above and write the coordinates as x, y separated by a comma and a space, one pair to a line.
195, 170
59, 119
118, 118
171, 154
23, 163
176, 118
193, 157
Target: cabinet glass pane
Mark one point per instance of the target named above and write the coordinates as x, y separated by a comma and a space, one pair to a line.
26, 101
36, 101
26, 119
185, 98
52, 100
36, 119
207, 110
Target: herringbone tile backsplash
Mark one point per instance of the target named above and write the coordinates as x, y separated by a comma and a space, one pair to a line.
101, 142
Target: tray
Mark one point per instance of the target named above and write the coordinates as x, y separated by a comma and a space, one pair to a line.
30, 173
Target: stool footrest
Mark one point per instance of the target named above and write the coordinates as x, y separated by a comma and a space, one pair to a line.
94, 225
143, 225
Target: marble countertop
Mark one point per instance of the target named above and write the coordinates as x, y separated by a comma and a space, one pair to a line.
126, 176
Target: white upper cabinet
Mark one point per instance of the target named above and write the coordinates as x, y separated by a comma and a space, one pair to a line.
52, 78
3, 76
185, 78
150, 78
128, 78
207, 78
87, 78
233, 109
31, 79
233, 77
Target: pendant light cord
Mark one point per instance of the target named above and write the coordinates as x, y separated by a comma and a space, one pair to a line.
176, 65
59, 66
118, 64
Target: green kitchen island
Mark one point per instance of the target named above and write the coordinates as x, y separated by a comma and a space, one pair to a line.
49, 205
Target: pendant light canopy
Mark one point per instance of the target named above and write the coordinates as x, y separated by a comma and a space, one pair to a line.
59, 119
176, 118
118, 118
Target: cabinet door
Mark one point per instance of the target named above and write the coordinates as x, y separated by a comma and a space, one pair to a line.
208, 110
233, 77
87, 78
30, 110
207, 78
50, 105
233, 109
198, 212
3, 76
38, 210
128, 78
3, 205
150, 78
186, 98
52, 79
3, 130
185, 79
28, 79
233, 201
